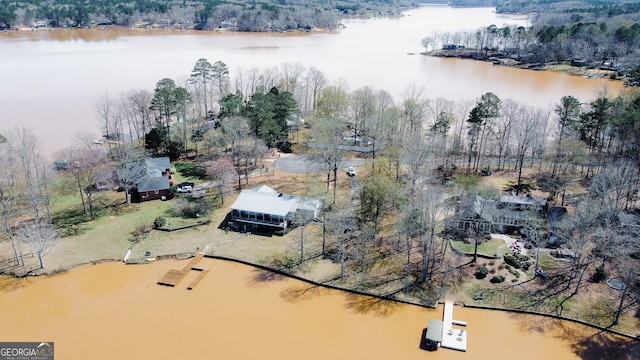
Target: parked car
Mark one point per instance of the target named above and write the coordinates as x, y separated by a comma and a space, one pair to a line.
186, 183
351, 171
184, 189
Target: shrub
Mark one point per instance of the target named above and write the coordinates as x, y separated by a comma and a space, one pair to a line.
482, 272
159, 222
191, 208
285, 147
497, 279
513, 261
599, 275
140, 232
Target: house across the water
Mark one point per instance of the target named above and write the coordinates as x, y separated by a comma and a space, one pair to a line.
266, 207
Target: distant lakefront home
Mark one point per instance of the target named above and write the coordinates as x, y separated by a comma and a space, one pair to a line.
150, 178
506, 215
264, 206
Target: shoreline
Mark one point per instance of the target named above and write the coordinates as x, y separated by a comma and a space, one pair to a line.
158, 27
185, 256
497, 59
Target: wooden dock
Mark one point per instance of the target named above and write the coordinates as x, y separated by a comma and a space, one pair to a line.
173, 276
195, 281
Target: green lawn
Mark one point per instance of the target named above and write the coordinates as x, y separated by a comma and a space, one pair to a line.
493, 247
106, 237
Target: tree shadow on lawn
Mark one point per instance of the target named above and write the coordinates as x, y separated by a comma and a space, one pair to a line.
73, 220
70, 221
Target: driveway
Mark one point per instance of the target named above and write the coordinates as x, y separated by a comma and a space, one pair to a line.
300, 164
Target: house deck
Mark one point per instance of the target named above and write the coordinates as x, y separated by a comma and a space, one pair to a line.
173, 276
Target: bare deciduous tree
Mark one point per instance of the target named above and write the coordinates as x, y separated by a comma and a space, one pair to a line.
40, 236
222, 172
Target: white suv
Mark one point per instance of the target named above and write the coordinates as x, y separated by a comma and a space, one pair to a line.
184, 189
351, 171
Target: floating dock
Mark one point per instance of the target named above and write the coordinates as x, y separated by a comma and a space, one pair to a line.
452, 338
173, 276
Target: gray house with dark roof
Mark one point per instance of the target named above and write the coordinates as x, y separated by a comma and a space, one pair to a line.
150, 178
264, 206
507, 214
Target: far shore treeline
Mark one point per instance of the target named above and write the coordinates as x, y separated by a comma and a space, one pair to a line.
592, 33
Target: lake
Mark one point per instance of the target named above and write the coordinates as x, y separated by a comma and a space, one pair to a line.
53, 79
117, 311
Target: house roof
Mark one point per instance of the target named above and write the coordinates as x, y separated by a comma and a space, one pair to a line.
523, 200
151, 170
266, 200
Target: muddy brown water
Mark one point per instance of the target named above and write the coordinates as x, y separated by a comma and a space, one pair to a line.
117, 311
52, 80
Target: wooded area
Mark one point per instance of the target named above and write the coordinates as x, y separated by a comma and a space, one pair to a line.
592, 35
265, 15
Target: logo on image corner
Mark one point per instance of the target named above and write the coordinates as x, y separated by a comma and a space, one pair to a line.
26, 350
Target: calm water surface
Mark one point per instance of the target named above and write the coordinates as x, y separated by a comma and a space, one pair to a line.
51, 80
116, 311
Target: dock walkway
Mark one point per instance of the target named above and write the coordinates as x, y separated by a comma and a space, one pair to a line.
452, 338
173, 276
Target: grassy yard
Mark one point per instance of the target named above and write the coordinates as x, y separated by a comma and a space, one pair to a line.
493, 247
107, 237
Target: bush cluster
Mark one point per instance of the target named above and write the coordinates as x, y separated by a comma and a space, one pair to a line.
482, 272
191, 208
497, 279
512, 261
159, 222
